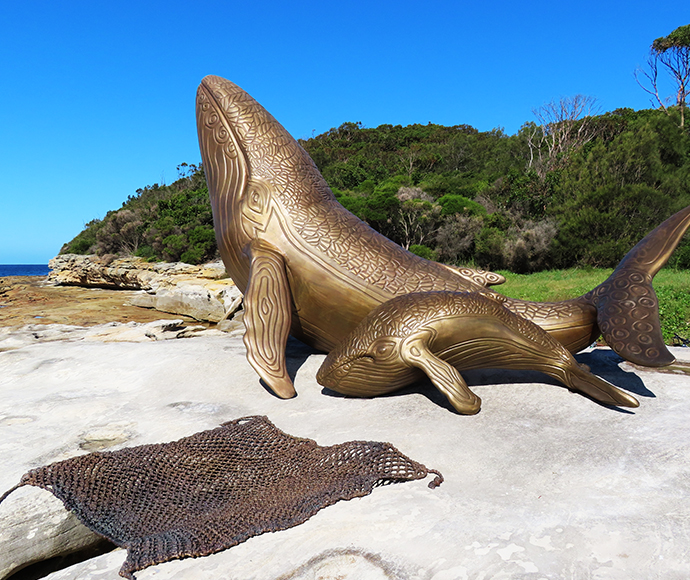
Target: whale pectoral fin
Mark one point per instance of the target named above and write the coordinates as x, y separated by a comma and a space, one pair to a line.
415, 352
579, 379
628, 317
267, 317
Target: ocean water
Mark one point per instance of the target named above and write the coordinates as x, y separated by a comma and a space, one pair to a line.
24, 270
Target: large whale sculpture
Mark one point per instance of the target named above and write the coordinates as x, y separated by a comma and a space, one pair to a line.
310, 268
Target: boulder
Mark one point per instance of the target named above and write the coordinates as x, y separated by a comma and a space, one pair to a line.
203, 300
40, 529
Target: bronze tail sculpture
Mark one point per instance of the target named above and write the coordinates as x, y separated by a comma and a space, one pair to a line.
309, 268
627, 306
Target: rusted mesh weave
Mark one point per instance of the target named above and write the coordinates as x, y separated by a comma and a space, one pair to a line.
217, 488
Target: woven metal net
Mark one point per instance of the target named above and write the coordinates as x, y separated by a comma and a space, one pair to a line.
215, 489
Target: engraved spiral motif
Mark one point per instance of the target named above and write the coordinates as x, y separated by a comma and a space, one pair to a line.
482, 277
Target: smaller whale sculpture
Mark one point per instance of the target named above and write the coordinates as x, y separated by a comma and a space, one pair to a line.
440, 333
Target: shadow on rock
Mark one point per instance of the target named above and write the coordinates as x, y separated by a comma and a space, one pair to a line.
605, 363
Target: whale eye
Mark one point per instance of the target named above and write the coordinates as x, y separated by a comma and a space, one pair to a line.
255, 201
383, 348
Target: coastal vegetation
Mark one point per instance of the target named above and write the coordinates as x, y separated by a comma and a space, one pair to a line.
573, 191
462, 196
161, 222
573, 188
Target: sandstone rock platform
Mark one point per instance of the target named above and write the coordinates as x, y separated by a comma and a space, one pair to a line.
204, 292
542, 483
26, 300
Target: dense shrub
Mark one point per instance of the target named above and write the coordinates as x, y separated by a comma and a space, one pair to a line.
455, 238
452, 204
423, 251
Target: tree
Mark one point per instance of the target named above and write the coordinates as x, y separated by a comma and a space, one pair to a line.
416, 219
673, 52
564, 126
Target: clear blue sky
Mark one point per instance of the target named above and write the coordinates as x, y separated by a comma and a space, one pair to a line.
97, 97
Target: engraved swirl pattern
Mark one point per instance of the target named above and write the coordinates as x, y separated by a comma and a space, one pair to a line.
628, 308
628, 315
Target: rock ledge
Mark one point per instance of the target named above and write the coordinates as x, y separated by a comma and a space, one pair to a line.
201, 292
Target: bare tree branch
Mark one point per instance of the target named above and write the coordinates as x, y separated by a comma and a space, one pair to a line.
564, 126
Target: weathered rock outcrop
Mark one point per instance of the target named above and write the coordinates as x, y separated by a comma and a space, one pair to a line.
201, 292
53, 531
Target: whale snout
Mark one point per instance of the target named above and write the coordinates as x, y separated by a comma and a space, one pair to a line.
214, 83
333, 372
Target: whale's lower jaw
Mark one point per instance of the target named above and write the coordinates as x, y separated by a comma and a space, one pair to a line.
365, 377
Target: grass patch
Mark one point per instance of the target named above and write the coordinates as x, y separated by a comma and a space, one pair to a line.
672, 288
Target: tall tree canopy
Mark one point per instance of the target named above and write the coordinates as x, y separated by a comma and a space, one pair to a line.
673, 52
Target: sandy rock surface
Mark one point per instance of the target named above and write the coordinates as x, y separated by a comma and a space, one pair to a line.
13, 338
542, 483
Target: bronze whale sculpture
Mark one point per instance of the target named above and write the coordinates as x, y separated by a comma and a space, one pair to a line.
310, 268
439, 332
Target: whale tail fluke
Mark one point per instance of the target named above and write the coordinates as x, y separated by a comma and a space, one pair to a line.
628, 317
627, 306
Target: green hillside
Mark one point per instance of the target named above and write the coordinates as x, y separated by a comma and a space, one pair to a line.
563, 193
